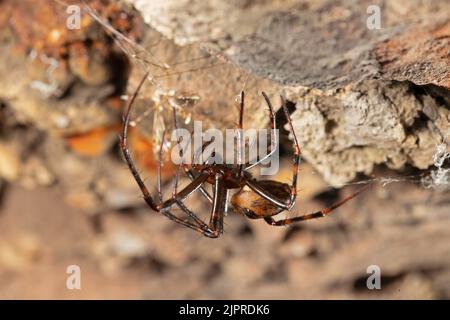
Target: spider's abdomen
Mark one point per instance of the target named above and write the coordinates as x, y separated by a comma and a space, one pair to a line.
248, 202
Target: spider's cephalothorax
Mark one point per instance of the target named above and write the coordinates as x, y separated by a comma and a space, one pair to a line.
256, 199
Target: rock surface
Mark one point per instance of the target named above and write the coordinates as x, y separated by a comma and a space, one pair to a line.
321, 44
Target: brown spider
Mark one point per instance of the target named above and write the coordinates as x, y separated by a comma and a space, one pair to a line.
263, 199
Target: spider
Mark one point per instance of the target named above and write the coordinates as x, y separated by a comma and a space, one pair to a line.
261, 199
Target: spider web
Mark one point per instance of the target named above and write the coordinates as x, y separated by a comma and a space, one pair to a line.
437, 177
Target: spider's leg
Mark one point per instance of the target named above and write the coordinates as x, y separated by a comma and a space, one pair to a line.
158, 177
190, 173
191, 176
241, 111
192, 226
240, 142
186, 191
177, 198
219, 206
126, 152
215, 227
314, 215
197, 153
191, 214
175, 182
129, 160
273, 134
295, 158
187, 170
282, 203
182, 206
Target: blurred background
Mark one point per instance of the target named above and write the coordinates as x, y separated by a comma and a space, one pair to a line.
370, 104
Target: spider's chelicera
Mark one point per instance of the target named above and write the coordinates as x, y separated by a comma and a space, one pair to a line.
256, 199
